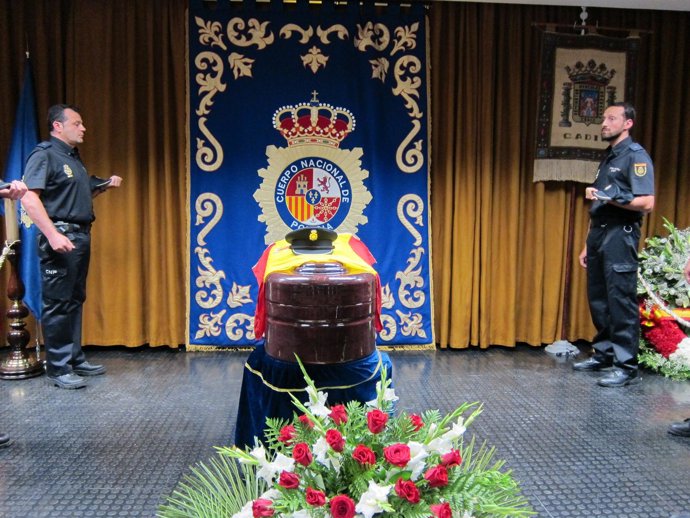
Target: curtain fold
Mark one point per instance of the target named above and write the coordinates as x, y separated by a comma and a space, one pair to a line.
123, 64
499, 240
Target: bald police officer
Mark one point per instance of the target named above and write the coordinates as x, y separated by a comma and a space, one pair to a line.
622, 193
60, 203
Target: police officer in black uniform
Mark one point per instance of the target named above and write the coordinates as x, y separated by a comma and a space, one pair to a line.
622, 193
59, 202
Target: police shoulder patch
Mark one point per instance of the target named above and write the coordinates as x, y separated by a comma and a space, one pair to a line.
640, 168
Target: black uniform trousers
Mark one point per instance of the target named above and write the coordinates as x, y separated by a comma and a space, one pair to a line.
63, 281
612, 290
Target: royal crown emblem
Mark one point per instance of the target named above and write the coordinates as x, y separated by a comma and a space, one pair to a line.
313, 123
312, 182
591, 92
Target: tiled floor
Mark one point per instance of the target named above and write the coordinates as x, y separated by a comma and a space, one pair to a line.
118, 446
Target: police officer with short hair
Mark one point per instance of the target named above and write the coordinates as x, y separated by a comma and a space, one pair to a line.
622, 193
60, 203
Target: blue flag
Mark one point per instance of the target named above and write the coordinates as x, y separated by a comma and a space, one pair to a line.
24, 140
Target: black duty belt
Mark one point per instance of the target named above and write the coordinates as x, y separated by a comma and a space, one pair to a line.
614, 222
65, 226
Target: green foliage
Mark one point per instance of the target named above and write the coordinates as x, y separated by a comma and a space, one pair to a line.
651, 359
214, 490
477, 486
661, 266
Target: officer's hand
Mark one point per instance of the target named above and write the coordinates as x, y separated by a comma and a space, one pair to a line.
115, 181
15, 191
61, 243
583, 257
589, 193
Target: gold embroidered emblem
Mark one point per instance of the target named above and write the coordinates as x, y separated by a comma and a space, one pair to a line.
68, 171
641, 169
313, 182
313, 235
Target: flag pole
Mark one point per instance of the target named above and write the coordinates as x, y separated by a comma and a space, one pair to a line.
19, 364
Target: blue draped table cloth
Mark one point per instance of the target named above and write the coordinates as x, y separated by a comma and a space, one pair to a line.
267, 383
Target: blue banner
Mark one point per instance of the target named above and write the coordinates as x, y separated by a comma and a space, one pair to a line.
303, 115
24, 140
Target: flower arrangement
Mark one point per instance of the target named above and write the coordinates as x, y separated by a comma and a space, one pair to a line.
665, 345
358, 460
354, 461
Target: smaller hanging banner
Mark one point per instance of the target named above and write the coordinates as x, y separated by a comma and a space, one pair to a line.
580, 77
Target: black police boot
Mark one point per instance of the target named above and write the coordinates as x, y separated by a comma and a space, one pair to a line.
592, 364
681, 429
67, 381
88, 369
620, 378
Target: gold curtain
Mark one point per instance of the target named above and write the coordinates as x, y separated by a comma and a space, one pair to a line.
123, 63
499, 240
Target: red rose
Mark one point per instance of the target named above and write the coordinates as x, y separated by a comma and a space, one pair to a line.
315, 497
451, 459
364, 455
342, 506
338, 414
306, 421
287, 433
289, 480
302, 454
437, 476
335, 440
442, 510
416, 422
376, 421
261, 507
397, 454
406, 489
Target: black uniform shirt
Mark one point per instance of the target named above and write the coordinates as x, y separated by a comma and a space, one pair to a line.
55, 168
628, 166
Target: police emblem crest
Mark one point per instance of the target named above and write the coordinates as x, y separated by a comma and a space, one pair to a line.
641, 169
312, 182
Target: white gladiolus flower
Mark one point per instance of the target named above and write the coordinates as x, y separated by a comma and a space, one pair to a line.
388, 395
271, 494
259, 453
320, 449
246, 511
317, 402
269, 470
444, 444
370, 502
324, 455
418, 455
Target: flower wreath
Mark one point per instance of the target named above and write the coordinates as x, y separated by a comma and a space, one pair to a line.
665, 344
361, 461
